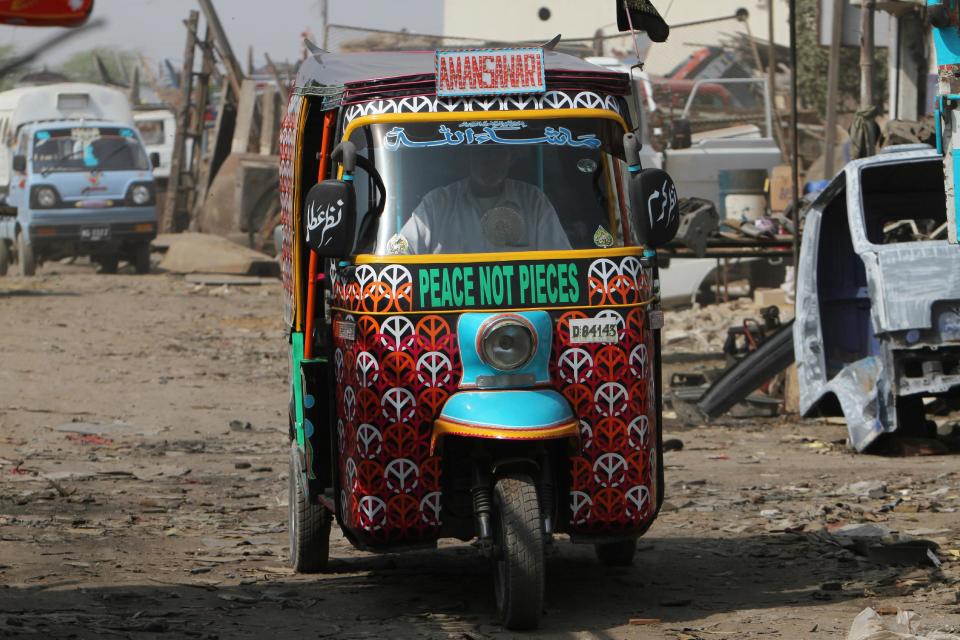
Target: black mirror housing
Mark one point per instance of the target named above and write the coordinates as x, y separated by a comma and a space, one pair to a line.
330, 218
681, 134
155, 159
654, 207
20, 163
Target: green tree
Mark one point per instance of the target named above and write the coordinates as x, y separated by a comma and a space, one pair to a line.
82, 66
813, 60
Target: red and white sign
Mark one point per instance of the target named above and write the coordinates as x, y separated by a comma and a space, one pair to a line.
490, 72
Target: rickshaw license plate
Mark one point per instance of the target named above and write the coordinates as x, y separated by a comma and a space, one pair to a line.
593, 330
94, 234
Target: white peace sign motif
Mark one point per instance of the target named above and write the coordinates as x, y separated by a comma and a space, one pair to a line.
338, 364
402, 475
637, 432
364, 275
575, 365
369, 441
368, 368
373, 512
398, 404
556, 100
430, 508
394, 331
580, 504
343, 505
341, 436
349, 404
638, 498
586, 434
610, 314
395, 275
603, 269
638, 361
630, 266
610, 470
434, 369
351, 467
611, 399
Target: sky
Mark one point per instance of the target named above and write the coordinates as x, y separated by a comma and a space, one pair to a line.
155, 27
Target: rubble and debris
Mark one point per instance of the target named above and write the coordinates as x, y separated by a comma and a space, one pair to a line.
205, 253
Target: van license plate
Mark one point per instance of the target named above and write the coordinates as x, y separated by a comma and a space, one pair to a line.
594, 330
94, 234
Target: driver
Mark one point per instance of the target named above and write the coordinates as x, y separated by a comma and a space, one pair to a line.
484, 212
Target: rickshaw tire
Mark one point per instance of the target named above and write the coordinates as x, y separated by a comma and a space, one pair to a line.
520, 568
4, 257
141, 258
26, 260
109, 263
616, 554
309, 524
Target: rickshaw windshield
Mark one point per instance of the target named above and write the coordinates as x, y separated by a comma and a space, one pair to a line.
469, 186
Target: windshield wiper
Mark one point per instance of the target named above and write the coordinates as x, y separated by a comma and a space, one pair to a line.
48, 170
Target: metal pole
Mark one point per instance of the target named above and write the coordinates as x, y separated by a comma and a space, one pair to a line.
794, 139
866, 53
771, 59
323, 16
833, 86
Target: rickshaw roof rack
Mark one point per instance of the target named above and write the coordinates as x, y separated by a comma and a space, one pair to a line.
349, 78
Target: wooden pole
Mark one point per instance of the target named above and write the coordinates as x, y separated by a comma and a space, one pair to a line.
866, 53
771, 58
177, 159
833, 86
795, 139
234, 70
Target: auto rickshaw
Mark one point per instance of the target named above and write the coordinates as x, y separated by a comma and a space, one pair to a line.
471, 288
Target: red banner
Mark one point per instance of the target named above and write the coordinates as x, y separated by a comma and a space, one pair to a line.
45, 13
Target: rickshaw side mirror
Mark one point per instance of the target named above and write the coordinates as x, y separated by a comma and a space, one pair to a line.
19, 163
330, 218
155, 159
654, 207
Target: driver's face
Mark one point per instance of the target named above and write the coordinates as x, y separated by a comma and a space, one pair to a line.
489, 167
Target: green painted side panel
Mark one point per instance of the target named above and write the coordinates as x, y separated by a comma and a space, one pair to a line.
296, 359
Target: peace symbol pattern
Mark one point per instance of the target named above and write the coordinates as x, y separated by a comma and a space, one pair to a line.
287, 143
613, 482
392, 381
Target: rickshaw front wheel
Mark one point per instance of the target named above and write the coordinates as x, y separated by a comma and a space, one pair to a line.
309, 524
616, 554
4, 257
519, 571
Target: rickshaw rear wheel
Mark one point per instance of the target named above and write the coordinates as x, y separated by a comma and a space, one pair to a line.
141, 258
4, 257
109, 263
309, 524
26, 261
519, 569
616, 554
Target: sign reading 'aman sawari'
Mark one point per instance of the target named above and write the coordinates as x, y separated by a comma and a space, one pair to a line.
479, 72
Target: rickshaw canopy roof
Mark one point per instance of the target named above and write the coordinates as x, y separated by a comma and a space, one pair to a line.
357, 77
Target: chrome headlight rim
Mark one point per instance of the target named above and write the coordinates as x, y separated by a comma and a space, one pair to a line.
146, 194
45, 197
504, 322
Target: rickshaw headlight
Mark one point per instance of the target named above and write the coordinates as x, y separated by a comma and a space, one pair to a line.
46, 197
507, 344
140, 194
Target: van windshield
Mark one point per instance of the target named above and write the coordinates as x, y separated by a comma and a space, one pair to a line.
88, 149
471, 186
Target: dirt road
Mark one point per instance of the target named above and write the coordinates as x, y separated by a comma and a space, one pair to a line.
143, 459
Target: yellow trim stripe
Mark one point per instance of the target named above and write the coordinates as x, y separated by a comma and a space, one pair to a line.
467, 116
510, 309
442, 428
295, 215
511, 256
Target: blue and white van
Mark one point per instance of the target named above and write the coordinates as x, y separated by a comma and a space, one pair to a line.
77, 187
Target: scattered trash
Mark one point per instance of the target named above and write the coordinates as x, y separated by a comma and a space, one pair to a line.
870, 625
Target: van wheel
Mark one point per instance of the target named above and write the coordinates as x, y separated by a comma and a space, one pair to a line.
309, 524
26, 261
141, 258
616, 554
519, 569
109, 263
4, 257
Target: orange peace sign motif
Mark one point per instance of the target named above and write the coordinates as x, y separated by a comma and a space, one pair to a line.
608, 435
638, 396
369, 477
400, 440
403, 512
376, 297
349, 365
367, 329
637, 320
430, 474
563, 326
608, 363
580, 397
352, 291
623, 290
431, 402
581, 474
597, 291
368, 405
397, 369
637, 465
608, 505
430, 332
402, 297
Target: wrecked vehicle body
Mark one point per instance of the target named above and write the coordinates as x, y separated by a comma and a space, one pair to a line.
878, 297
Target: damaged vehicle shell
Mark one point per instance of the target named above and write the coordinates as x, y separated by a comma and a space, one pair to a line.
878, 296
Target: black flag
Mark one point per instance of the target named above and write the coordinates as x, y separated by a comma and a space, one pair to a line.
644, 17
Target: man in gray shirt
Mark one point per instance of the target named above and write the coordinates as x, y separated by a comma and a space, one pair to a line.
486, 212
